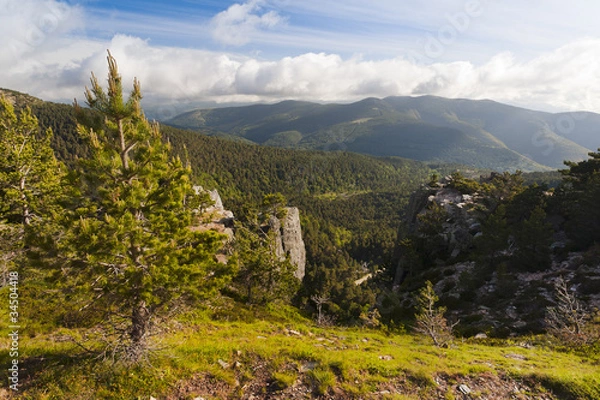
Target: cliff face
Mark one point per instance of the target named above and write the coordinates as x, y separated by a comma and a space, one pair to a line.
288, 239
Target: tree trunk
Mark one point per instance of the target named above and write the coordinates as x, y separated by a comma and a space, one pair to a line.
25, 210
123, 152
140, 321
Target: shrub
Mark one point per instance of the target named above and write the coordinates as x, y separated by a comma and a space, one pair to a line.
430, 319
569, 320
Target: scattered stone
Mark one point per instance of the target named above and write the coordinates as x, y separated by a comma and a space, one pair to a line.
223, 364
386, 358
515, 356
237, 365
293, 332
526, 345
464, 389
309, 366
481, 336
261, 337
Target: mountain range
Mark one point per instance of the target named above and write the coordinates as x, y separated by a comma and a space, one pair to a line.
477, 133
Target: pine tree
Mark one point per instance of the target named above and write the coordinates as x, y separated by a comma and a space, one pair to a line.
263, 274
430, 320
129, 239
579, 197
30, 178
494, 239
532, 239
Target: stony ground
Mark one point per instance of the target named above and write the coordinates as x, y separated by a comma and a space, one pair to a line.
486, 386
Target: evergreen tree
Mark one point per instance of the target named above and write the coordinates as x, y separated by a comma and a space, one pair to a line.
430, 320
532, 239
494, 239
263, 274
579, 200
30, 178
579, 173
129, 240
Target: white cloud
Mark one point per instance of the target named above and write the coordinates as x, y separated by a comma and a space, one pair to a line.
58, 66
564, 79
240, 22
28, 25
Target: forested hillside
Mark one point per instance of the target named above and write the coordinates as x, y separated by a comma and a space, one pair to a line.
351, 205
482, 134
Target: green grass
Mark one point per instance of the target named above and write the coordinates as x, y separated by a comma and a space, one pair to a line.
357, 362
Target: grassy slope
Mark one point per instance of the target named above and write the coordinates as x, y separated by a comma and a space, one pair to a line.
278, 354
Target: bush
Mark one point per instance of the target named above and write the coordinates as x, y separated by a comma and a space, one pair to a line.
570, 321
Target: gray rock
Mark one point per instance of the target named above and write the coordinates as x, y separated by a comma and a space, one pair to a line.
288, 239
293, 244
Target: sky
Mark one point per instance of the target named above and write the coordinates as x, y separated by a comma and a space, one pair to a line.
539, 54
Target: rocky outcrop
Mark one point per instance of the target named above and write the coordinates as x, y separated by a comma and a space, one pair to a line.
494, 297
215, 217
515, 303
288, 239
460, 226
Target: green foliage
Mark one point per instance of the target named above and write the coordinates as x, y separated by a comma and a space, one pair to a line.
516, 230
323, 380
67, 144
501, 188
430, 320
463, 184
263, 275
532, 240
578, 198
579, 173
429, 241
332, 274
274, 204
128, 241
30, 192
29, 173
285, 379
494, 238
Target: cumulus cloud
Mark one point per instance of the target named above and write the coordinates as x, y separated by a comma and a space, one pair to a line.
240, 22
564, 79
28, 25
57, 65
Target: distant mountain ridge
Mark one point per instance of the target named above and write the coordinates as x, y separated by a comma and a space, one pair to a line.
479, 133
